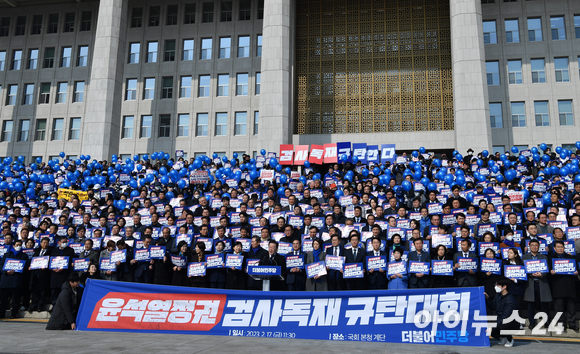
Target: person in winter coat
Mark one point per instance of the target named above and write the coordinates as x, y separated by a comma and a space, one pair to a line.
11, 282
563, 288
504, 305
65, 309
538, 288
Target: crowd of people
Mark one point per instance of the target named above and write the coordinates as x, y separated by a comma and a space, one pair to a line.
151, 218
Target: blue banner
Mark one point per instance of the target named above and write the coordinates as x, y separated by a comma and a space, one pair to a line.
344, 149
396, 316
388, 153
360, 150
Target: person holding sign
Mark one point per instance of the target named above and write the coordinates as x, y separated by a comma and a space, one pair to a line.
179, 274
538, 288
40, 277
487, 277
398, 280
319, 282
217, 276
236, 278
106, 253
519, 286
419, 280
59, 276
468, 278
441, 281
295, 278
197, 257
11, 281
564, 284
376, 277
354, 255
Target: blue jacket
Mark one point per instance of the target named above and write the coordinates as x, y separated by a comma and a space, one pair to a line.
399, 283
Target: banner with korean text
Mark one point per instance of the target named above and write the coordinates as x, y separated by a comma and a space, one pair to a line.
427, 316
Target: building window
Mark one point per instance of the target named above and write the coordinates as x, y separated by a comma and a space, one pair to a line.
512, 32
221, 124
146, 122
169, 54
16, 59
44, 93
259, 48
518, 114
260, 9
204, 86
61, 92
33, 59
154, 15
79, 92
5, 27
515, 71
183, 125
128, 124
256, 121
149, 89
223, 85
7, 131
241, 123
565, 112
57, 127
243, 46
36, 25
189, 14
492, 68
171, 17
242, 85
167, 88
152, 52
557, 28
66, 57
52, 23
245, 10
577, 26
40, 130
561, 66
188, 49
206, 48
3, 59
135, 48
185, 89
69, 22
541, 114
225, 47
226, 11
538, 71
20, 26
86, 18
48, 58
131, 94
258, 79
207, 14
12, 94
28, 94
201, 125
24, 130
489, 32
535, 29
75, 129
83, 56
164, 126
137, 17
495, 117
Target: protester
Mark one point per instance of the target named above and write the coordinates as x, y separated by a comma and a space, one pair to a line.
66, 306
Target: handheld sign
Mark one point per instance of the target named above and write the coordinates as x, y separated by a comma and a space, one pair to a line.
466, 264
492, 266
483, 246
60, 262
234, 261
446, 240
442, 267
377, 262
517, 272
334, 262
214, 261
39, 262
157, 252
314, 269
397, 268
119, 256
107, 265
142, 255
295, 261
81, 264
16, 265
353, 270
563, 266
536, 265
179, 261
196, 269
416, 267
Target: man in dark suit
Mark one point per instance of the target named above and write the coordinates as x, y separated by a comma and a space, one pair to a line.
40, 277
355, 255
275, 259
59, 276
358, 217
90, 253
256, 252
335, 280
143, 270
295, 277
236, 278
291, 204
376, 279
513, 226
419, 280
464, 279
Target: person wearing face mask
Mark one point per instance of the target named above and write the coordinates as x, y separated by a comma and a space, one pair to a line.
508, 241
59, 276
11, 282
504, 305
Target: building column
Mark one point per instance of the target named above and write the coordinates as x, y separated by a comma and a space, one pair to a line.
102, 118
276, 120
470, 95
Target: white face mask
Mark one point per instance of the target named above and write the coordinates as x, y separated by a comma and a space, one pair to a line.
497, 289
63, 244
17, 248
509, 238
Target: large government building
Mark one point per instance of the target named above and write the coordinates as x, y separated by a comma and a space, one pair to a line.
133, 77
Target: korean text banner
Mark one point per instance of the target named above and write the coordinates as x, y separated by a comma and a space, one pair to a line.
429, 316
